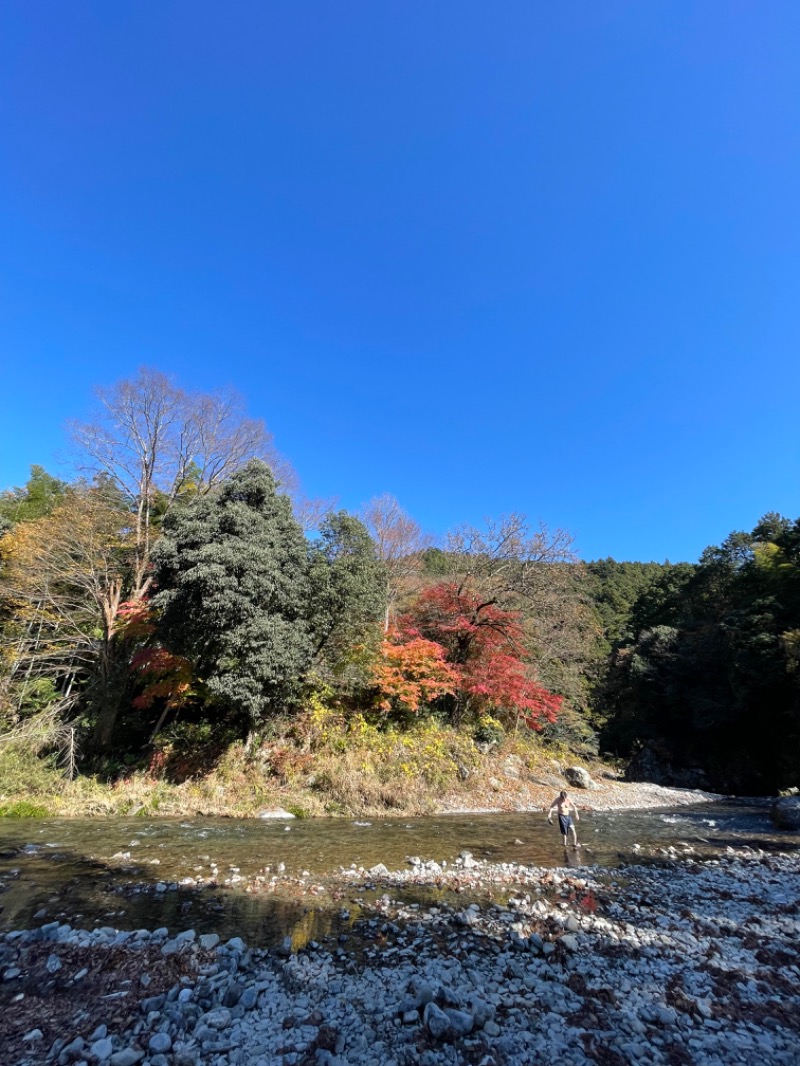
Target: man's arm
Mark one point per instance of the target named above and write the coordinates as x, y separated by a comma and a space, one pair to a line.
553, 806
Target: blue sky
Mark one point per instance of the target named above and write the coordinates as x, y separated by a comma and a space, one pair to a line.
516, 256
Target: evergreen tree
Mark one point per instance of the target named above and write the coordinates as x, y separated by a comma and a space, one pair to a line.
347, 587
231, 570
37, 498
710, 675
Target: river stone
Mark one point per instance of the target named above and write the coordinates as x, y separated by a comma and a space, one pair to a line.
102, 1049
569, 941
578, 777
160, 1042
209, 941
249, 998
218, 1019
786, 812
437, 1022
277, 814
127, 1057
285, 947
232, 994
461, 1021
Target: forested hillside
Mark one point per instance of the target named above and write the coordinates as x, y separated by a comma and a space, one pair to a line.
180, 601
706, 677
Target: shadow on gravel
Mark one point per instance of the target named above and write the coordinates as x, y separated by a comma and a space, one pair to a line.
86, 893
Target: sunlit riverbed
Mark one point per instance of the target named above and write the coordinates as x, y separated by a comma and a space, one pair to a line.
90, 868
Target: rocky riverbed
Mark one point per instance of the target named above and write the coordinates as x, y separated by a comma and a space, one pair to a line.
681, 962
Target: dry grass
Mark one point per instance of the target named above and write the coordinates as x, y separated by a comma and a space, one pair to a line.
324, 766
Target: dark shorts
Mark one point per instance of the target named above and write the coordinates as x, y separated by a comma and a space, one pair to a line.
564, 823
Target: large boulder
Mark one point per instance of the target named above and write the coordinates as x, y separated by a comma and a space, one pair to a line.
578, 777
513, 767
786, 812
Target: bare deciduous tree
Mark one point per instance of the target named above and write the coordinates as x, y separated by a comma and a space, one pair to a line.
399, 542
506, 557
153, 441
535, 572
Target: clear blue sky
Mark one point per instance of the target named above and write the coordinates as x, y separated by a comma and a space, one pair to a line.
484, 256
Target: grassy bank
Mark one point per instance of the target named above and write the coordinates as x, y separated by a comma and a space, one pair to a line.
319, 767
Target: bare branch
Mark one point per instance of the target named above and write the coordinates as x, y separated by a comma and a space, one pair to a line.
399, 542
153, 442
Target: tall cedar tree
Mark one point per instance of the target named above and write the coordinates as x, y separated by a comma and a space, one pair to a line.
41, 493
231, 570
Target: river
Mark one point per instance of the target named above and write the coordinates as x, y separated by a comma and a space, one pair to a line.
128, 872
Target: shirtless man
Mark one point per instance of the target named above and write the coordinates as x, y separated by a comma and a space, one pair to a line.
566, 810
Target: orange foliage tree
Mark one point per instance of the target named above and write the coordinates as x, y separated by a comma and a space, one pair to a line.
411, 672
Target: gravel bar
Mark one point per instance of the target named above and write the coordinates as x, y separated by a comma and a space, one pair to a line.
677, 962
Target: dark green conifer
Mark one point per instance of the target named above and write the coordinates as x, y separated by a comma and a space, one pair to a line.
231, 573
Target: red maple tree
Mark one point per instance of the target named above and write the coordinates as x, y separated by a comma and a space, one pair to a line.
163, 675
484, 645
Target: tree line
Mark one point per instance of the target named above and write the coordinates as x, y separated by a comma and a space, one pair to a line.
183, 574
702, 679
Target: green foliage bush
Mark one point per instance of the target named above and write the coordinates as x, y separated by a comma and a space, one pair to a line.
23, 809
489, 731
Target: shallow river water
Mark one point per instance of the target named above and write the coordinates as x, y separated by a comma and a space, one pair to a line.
86, 871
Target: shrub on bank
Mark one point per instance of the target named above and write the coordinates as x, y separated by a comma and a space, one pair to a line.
23, 809
325, 761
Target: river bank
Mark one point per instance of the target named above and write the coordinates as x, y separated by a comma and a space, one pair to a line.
689, 962
359, 783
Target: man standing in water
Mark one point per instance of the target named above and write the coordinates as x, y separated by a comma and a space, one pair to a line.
566, 811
